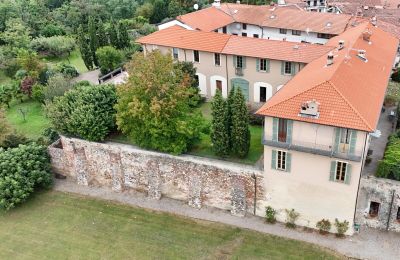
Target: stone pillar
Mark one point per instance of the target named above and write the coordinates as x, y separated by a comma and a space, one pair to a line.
238, 195
116, 171
81, 167
195, 186
69, 153
154, 181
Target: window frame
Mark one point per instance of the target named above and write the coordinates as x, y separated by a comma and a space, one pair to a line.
261, 65
326, 36
398, 214
374, 215
345, 137
224, 29
255, 35
282, 31
289, 63
244, 34
281, 160
194, 56
341, 171
219, 59
244, 26
296, 32
177, 53
237, 62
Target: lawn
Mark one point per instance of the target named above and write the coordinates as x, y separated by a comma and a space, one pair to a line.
204, 147
75, 59
55, 225
35, 122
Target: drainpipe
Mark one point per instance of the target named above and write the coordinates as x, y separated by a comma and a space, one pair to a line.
390, 211
255, 192
227, 79
184, 51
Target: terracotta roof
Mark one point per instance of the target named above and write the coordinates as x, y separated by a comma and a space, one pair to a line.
350, 91
179, 37
207, 19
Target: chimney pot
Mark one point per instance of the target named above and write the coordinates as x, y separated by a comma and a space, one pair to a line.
329, 60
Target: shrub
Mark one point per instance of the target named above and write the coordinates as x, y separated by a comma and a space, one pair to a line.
54, 45
22, 170
13, 140
109, 59
68, 70
324, 226
6, 95
11, 67
26, 86
51, 135
396, 76
270, 215
255, 119
86, 112
389, 166
37, 92
56, 86
82, 83
341, 227
20, 74
4, 126
291, 217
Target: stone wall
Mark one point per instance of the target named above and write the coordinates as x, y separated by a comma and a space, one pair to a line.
383, 191
199, 181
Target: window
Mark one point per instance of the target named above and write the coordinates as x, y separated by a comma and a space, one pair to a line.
244, 26
374, 209
234, 34
244, 34
239, 62
196, 78
288, 68
282, 130
282, 31
255, 35
217, 59
196, 56
281, 160
324, 35
263, 94
398, 214
341, 168
218, 85
263, 65
224, 29
296, 32
345, 136
175, 53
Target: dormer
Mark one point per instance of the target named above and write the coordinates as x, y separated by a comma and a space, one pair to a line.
310, 109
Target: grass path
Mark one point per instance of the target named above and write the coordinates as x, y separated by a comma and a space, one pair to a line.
55, 225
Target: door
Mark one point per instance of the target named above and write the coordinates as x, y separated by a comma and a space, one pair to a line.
263, 94
243, 85
282, 130
218, 84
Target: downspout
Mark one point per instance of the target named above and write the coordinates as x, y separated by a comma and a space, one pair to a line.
184, 51
227, 75
359, 180
390, 212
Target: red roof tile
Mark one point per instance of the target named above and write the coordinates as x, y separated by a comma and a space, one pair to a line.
207, 19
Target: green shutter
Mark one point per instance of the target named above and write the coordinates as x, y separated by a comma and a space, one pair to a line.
288, 162
289, 131
243, 85
282, 67
234, 61
337, 140
353, 141
293, 68
273, 160
347, 177
333, 171
243, 62
258, 64
267, 65
275, 122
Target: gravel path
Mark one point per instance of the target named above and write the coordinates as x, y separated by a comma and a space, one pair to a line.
369, 244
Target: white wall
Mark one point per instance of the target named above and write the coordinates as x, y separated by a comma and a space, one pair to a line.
172, 23
202, 84
213, 85
257, 86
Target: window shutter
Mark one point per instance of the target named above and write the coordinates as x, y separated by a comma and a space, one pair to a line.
258, 64
337, 140
267, 65
347, 177
234, 61
293, 68
273, 160
275, 122
289, 131
288, 162
333, 171
282, 67
243, 62
353, 141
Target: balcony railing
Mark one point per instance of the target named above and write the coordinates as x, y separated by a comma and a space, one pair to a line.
239, 71
314, 148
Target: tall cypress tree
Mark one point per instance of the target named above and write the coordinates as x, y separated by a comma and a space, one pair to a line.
123, 36
219, 130
84, 48
240, 132
228, 116
113, 34
93, 39
101, 34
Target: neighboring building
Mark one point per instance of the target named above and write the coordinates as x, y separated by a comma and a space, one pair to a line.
267, 22
317, 127
258, 67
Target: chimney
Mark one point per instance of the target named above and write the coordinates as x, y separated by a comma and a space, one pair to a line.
367, 35
341, 44
374, 21
217, 3
362, 54
238, 2
329, 60
310, 109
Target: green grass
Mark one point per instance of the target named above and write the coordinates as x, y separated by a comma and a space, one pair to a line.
55, 225
75, 59
35, 122
204, 147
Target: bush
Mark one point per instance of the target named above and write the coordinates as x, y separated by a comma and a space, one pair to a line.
109, 59
324, 226
13, 140
20, 74
51, 135
4, 126
396, 76
68, 70
341, 227
37, 93
53, 46
255, 119
291, 217
86, 112
22, 170
389, 166
26, 86
56, 86
11, 67
270, 215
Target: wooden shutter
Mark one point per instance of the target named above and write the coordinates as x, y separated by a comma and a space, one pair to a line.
275, 122
267, 65
353, 141
234, 61
273, 160
258, 64
337, 140
347, 177
243, 62
333, 171
293, 68
282, 67
288, 162
289, 131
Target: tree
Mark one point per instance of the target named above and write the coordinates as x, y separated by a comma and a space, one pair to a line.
240, 132
6, 95
101, 32
16, 34
228, 118
161, 11
26, 85
30, 62
113, 34
219, 129
146, 10
56, 86
4, 126
153, 106
22, 170
190, 72
123, 36
87, 112
108, 58
85, 48
174, 8
54, 46
93, 39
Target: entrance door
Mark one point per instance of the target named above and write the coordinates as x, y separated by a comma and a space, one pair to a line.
218, 84
263, 94
282, 130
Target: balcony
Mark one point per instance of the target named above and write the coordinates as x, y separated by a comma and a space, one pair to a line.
239, 71
314, 148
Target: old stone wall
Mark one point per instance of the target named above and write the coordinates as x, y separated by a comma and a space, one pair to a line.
199, 181
387, 194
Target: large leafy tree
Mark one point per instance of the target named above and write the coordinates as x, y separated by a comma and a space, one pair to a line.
219, 128
153, 106
190, 70
86, 112
22, 170
109, 58
240, 132
54, 46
